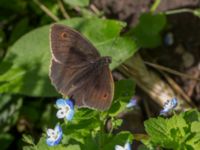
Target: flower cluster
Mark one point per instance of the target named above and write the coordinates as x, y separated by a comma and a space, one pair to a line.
65, 111
169, 106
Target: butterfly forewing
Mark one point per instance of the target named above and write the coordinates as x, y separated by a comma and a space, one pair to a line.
75, 70
65, 41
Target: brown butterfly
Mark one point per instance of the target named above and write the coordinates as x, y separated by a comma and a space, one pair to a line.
78, 71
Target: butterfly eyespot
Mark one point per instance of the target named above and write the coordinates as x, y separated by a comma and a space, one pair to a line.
63, 35
105, 95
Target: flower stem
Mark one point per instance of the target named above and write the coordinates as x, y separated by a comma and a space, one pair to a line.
155, 6
46, 10
177, 11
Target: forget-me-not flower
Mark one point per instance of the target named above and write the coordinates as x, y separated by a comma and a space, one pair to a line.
132, 103
169, 106
54, 136
65, 109
127, 146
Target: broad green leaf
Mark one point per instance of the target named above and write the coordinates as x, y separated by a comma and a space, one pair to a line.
124, 91
30, 55
147, 32
179, 132
19, 29
168, 133
77, 3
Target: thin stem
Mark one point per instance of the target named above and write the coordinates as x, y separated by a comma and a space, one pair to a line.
46, 10
111, 130
177, 11
155, 6
94, 9
101, 131
62, 9
169, 70
177, 88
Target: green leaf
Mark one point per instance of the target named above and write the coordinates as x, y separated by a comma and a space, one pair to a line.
79, 130
194, 142
195, 127
30, 55
169, 133
124, 91
118, 139
73, 147
9, 108
116, 123
84, 114
143, 147
43, 146
147, 32
191, 116
28, 139
5, 140
19, 29
77, 3
197, 12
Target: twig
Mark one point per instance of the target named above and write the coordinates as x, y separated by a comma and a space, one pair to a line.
169, 70
150, 82
146, 106
46, 10
176, 87
94, 9
155, 5
62, 9
176, 11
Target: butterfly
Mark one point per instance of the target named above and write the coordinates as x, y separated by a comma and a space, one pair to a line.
78, 71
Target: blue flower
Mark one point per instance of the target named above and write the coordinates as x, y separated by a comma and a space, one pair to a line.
132, 103
54, 136
66, 109
169, 106
127, 146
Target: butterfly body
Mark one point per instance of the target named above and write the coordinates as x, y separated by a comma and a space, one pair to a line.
78, 71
